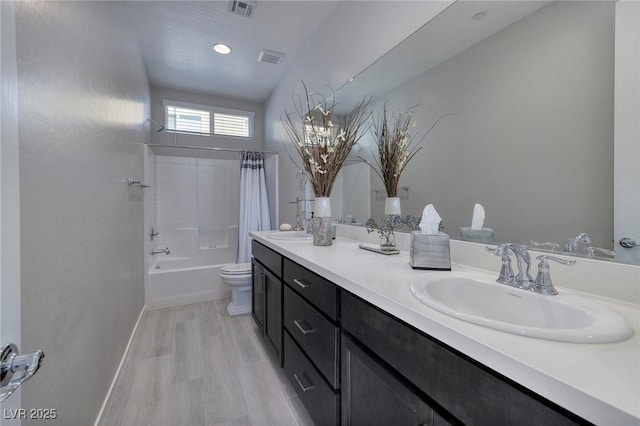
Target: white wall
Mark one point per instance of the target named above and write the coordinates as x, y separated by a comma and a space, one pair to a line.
84, 97
354, 36
533, 137
627, 128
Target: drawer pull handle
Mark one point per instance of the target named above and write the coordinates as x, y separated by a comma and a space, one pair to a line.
303, 387
303, 326
301, 283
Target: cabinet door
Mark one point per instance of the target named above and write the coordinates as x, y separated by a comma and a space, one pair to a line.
258, 291
373, 395
273, 326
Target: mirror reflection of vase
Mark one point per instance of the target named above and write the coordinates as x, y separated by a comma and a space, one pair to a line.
392, 205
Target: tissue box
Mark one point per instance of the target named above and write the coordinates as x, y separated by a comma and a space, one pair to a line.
484, 235
430, 251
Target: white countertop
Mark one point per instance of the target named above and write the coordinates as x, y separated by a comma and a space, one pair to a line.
599, 382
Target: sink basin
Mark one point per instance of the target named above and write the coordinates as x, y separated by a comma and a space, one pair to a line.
565, 317
290, 236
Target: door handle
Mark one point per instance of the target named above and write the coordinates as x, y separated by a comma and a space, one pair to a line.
12, 363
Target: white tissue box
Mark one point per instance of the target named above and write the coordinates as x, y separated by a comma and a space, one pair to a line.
484, 235
430, 251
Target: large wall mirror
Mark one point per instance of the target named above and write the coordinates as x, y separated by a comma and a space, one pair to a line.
532, 140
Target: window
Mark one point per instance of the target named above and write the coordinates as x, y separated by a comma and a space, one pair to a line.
231, 125
188, 120
208, 120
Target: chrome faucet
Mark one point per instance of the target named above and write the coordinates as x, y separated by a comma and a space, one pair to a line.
591, 251
302, 222
572, 243
523, 279
543, 284
158, 251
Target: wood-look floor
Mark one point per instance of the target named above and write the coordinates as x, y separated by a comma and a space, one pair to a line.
196, 365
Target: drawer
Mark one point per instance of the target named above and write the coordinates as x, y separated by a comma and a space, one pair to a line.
470, 391
317, 290
321, 402
315, 334
268, 257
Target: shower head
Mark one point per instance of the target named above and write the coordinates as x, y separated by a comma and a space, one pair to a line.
159, 127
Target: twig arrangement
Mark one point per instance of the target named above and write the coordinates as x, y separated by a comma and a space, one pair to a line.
322, 141
389, 225
396, 146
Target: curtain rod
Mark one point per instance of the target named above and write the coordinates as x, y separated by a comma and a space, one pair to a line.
205, 148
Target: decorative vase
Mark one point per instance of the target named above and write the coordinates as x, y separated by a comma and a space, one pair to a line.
392, 205
322, 221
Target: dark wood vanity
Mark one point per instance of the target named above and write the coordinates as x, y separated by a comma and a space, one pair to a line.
352, 363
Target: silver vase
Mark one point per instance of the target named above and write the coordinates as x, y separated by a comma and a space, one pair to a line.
322, 231
321, 223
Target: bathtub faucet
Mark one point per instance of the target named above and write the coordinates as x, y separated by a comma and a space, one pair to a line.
158, 251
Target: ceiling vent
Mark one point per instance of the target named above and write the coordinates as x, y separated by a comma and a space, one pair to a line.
242, 8
270, 57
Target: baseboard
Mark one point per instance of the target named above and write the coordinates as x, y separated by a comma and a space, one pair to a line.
190, 298
115, 377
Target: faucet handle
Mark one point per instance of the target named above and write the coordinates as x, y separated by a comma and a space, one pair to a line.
506, 275
543, 284
591, 251
553, 246
545, 257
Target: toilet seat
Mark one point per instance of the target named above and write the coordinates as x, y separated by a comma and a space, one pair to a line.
236, 269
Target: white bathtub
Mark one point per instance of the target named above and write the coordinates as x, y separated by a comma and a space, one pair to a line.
177, 281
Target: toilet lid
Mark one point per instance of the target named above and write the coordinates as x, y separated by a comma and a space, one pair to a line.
236, 269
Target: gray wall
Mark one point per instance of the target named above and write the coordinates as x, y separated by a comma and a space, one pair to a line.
158, 94
533, 138
84, 96
350, 40
9, 195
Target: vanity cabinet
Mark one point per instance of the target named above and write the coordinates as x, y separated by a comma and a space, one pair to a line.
257, 291
374, 395
267, 295
352, 363
312, 341
459, 387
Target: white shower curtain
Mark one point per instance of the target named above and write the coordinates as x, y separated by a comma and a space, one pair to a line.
254, 202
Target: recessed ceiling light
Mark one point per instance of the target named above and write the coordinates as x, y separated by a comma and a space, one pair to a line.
222, 48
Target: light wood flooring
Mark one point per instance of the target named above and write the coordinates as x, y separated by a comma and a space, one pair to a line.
196, 365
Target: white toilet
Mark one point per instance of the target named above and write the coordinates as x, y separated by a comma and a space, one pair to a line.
238, 276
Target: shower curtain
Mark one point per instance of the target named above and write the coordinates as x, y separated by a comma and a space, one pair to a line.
254, 202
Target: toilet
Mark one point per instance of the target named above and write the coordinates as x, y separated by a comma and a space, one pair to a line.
238, 276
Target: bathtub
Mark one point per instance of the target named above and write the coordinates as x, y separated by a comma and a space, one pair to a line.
174, 280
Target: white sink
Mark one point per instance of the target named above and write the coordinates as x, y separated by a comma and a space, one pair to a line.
290, 236
565, 317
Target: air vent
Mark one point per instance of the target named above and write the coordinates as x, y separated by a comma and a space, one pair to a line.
270, 57
242, 8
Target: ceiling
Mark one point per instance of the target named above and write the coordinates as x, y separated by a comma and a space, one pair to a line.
176, 39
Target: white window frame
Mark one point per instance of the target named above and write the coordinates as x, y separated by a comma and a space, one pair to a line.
212, 110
